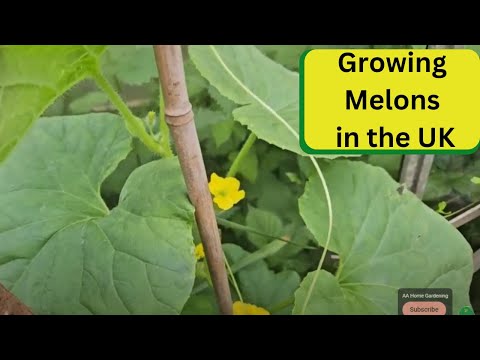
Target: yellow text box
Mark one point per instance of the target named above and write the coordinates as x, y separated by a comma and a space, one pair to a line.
389, 101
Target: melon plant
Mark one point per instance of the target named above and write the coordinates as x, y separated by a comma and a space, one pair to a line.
95, 216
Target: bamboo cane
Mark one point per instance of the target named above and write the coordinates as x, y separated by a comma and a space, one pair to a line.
416, 168
179, 116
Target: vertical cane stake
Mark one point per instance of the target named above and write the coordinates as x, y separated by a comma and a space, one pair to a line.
416, 168
179, 117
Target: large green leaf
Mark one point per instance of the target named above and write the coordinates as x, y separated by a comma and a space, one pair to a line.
386, 239
287, 55
391, 163
203, 303
130, 64
300, 237
265, 222
222, 131
31, 78
196, 84
268, 92
112, 186
260, 285
62, 251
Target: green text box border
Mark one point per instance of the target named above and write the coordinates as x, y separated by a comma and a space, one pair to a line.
308, 150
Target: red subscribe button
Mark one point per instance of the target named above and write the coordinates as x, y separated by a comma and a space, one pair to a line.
424, 308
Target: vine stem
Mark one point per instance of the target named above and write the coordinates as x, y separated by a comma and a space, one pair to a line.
236, 226
266, 251
232, 276
179, 117
312, 159
134, 125
242, 154
164, 130
329, 236
461, 210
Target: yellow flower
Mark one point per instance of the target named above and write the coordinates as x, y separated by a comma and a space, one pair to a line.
241, 308
199, 253
225, 191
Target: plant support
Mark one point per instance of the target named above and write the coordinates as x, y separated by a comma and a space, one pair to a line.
179, 117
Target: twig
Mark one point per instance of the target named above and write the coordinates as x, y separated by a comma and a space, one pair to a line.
466, 217
10, 305
416, 168
462, 210
179, 117
415, 172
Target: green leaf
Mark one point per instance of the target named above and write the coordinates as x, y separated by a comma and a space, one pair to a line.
287, 55
205, 119
301, 237
327, 296
222, 132
264, 253
294, 178
202, 272
391, 163
203, 303
439, 185
57, 108
301, 263
196, 84
475, 180
265, 222
272, 194
226, 105
275, 194
87, 102
260, 285
268, 92
113, 184
306, 167
31, 78
131, 64
385, 240
62, 251
274, 158
453, 176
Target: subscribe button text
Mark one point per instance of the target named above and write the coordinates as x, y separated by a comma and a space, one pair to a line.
389, 101
424, 308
